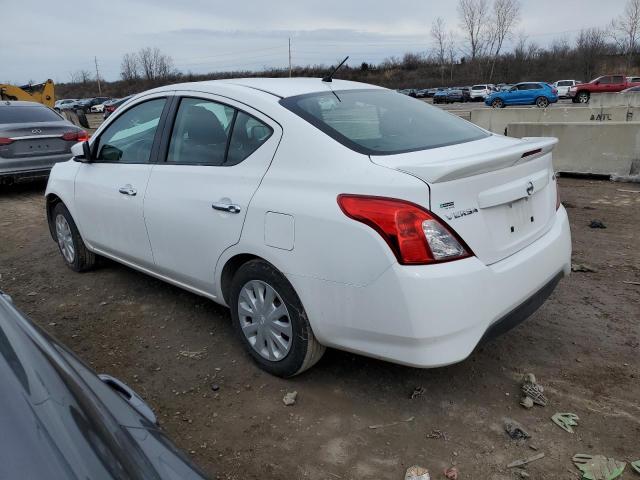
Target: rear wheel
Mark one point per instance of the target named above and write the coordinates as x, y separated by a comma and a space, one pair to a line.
271, 321
73, 250
583, 97
497, 103
542, 102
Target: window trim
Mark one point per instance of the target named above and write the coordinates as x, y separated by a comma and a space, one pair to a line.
163, 153
153, 154
290, 104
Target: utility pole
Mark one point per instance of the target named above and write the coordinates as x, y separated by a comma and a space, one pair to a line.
95, 59
289, 57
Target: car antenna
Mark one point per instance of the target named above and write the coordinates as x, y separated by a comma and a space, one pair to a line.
329, 78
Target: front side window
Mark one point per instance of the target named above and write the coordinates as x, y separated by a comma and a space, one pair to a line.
605, 80
381, 122
130, 137
210, 133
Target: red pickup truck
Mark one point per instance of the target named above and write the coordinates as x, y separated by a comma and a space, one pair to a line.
581, 93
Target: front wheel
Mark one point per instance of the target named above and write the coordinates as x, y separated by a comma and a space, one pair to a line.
271, 321
73, 250
583, 97
542, 102
497, 103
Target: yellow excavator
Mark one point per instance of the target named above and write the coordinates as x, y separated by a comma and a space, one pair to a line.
41, 93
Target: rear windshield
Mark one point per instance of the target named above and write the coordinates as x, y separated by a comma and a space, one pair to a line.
20, 114
566, 83
479, 87
381, 122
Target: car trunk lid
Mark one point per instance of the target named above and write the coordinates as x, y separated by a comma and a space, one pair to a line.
498, 193
31, 140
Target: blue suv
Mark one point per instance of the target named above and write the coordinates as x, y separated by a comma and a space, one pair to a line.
526, 93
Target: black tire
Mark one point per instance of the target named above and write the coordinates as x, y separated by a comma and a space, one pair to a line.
583, 97
497, 103
83, 259
305, 350
542, 102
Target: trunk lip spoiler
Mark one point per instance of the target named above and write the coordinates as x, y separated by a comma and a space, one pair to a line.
474, 163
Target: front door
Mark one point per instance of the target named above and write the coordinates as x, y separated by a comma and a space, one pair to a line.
197, 198
109, 191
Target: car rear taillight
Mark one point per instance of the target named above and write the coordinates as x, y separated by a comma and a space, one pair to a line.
5, 140
415, 235
110, 108
77, 136
555, 91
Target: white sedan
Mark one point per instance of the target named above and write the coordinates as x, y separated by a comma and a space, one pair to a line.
323, 214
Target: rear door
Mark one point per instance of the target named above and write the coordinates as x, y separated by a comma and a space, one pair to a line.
109, 191
213, 159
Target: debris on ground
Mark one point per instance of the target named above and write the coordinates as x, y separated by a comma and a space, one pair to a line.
565, 420
636, 466
451, 473
196, 355
598, 467
515, 430
525, 461
532, 389
438, 434
215, 387
526, 402
392, 424
418, 392
597, 224
522, 474
417, 473
290, 398
582, 267
630, 283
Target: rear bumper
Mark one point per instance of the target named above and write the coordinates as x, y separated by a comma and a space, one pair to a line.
20, 169
429, 316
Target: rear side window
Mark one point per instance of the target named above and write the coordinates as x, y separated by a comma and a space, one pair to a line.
381, 122
27, 114
211, 133
618, 79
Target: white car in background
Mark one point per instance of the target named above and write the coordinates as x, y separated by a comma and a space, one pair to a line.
480, 92
323, 214
563, 87
99, 108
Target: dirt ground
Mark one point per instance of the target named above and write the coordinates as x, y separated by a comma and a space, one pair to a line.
173, 347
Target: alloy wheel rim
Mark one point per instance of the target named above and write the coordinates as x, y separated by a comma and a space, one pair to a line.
265, 320
543, 102
65, 239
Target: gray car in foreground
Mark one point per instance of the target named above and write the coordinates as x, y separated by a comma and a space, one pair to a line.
32, 139
59, 420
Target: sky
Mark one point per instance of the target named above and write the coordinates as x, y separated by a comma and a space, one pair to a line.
39, 40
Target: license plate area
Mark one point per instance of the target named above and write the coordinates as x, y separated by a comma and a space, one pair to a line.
32, 148
514, 222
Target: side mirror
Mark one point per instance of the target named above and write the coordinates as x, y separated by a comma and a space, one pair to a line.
81, 152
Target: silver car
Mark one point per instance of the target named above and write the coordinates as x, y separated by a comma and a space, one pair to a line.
32, 139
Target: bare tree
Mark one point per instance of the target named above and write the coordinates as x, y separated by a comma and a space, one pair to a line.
590, 46
81, 76
473, 15
154, 64
625, 30
129, 67
505, 16
439, 36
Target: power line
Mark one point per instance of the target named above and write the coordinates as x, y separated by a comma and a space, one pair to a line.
95, 59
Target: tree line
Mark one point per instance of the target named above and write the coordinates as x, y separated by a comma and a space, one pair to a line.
477, 55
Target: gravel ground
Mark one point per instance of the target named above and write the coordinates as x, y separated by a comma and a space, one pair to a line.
180, 353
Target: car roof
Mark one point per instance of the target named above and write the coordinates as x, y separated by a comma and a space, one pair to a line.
280, 87
20, 103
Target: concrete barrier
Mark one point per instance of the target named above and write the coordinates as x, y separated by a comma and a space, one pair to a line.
606, 100
496, 120
606, 148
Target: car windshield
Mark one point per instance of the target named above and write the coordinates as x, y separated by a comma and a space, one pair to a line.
479, 87
381, 122
565, 84
20, 114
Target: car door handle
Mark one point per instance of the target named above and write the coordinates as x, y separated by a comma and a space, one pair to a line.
128, 190
226, 207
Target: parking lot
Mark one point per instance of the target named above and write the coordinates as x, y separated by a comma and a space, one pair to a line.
354, 417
